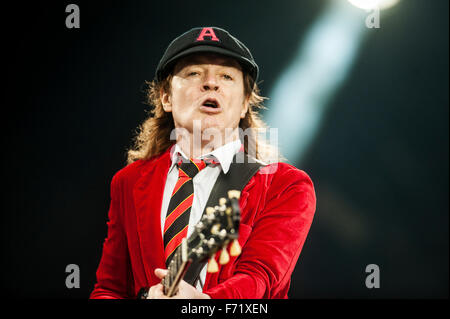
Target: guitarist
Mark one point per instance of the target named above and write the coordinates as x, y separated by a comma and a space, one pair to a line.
205, 112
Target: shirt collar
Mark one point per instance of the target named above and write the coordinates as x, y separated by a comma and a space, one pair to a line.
224, 154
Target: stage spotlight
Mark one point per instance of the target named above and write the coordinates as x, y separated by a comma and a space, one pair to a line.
300, 97
373, 4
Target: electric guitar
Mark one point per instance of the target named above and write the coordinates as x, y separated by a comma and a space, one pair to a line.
216, 229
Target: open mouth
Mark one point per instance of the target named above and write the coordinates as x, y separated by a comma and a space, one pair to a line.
212, 103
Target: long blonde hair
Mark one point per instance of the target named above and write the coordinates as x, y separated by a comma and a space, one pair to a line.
153, 135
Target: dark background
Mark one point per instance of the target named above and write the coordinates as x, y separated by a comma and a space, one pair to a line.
73, 99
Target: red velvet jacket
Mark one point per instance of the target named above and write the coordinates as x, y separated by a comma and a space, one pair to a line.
277, 211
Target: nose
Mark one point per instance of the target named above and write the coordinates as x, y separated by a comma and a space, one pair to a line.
210, 82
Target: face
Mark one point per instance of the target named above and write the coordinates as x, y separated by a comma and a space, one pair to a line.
208, 88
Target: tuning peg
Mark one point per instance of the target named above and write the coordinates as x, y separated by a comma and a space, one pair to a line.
235, 248
234, 194
224, 257
222, 201
209, 210
212, 264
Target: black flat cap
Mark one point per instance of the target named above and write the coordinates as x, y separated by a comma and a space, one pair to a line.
206, 39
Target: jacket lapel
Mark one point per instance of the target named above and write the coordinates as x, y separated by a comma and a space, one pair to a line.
244, 194
148, 195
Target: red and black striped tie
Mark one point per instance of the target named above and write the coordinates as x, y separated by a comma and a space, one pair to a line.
177, 218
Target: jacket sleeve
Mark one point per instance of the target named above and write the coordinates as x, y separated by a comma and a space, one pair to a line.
269, 256
114, 277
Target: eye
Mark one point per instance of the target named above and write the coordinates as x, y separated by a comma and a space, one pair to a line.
192, 73
227, 77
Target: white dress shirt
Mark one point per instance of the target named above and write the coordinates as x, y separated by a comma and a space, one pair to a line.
203, 184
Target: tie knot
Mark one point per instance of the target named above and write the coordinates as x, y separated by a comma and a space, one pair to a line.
192, 167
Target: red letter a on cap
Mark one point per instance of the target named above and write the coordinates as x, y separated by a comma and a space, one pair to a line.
207, 32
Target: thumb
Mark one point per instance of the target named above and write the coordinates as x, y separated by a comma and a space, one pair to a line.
160, 273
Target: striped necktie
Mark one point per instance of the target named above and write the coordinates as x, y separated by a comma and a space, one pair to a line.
177, 218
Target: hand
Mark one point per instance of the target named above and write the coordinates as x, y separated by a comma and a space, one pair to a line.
185, 291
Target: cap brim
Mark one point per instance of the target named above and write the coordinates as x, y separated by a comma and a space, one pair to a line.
245, 63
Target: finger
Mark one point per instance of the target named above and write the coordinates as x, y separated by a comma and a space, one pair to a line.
159, 292
185, 284
151, 293
185, 291
156, 292
160, 273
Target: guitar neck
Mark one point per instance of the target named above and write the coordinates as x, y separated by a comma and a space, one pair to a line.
216, 228
177, 269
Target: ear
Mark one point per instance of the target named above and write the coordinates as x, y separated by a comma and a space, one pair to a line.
245, 107
166, 101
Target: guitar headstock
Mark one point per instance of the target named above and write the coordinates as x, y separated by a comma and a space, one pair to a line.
216, 229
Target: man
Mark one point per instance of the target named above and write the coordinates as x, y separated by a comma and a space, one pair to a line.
205, 100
